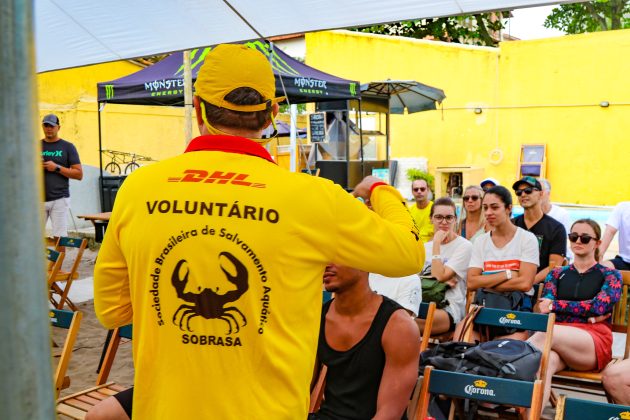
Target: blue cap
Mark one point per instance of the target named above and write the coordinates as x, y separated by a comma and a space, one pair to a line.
51, 119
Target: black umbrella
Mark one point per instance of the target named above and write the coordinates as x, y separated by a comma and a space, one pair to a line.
409, 94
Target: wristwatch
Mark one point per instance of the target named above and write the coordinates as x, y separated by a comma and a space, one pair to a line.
436, 257
508, 274
551, 307
58, 168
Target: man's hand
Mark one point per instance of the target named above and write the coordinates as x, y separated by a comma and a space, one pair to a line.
363, 188
49, 165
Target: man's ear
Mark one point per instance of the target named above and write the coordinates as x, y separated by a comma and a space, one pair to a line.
275, 108
197, 106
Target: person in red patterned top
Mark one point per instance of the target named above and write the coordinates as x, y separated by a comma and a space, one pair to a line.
582, 296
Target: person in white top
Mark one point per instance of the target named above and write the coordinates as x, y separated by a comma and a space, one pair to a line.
405, 291
506, 258
450, 254
557, 212
619, 221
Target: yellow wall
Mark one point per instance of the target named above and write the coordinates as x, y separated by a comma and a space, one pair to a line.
521, 88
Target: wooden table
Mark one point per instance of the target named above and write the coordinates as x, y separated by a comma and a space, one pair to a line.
100, 221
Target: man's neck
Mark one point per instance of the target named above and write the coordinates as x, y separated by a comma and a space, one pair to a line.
533, 215
422, 204
353, 301
52, 140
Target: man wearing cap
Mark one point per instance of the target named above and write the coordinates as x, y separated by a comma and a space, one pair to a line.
551, 235
60, 162
488, 183
216, 257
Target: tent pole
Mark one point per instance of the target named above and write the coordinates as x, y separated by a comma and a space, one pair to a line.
100, 156
360, 125
293, 138
187, 98
387, 131
26, 388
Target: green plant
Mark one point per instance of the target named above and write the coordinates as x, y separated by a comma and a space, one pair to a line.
414, 174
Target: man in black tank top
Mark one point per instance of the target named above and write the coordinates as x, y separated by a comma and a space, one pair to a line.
370, 346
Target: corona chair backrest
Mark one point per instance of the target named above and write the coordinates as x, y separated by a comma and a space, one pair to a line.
572, 408
479, 388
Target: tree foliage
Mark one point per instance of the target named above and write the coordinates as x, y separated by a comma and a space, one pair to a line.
473, 29
592, 16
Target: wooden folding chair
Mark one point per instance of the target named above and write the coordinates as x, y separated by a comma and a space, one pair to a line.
71, 321
531, 393
572, 408
66, 276
506, 392
591, 382
426, 312
77, 405
55, 260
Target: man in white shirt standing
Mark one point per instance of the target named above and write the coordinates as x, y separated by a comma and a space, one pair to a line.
619, 221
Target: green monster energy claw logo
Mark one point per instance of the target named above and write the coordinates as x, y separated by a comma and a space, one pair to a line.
109, 91
353, 89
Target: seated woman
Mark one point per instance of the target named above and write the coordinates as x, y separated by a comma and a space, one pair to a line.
503, 260
447, 257
472, 223
582, 296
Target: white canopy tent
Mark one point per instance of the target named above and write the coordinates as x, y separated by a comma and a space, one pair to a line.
73, 33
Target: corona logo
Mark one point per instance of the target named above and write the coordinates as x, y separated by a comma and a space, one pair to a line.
216, 177
51, 314
480, 383
479, 387
509, 319
625, 415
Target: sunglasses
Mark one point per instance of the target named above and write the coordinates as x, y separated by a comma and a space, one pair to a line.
584, 238
471, 197
440, 218
527, 191
423, 189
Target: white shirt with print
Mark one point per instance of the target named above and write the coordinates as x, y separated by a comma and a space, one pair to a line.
405, 291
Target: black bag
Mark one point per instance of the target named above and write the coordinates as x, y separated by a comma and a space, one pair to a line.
511, 359
509, 301
434, 291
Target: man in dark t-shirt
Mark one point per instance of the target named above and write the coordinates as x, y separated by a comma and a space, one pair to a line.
551, 234
60, 162
369, 345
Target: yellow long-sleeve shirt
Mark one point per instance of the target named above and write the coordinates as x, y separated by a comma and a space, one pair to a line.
423, 220
217, 257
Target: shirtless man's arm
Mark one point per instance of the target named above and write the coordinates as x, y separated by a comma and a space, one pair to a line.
401, 343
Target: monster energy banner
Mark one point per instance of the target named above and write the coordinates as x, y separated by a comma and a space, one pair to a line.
163, 82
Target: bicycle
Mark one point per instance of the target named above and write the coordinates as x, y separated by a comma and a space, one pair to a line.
119, 158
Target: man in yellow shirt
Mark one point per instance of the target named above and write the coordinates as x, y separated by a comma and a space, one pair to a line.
421, 208
217, 255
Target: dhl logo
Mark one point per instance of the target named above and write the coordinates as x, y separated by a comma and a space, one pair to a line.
480, 383
510, 316
216, 177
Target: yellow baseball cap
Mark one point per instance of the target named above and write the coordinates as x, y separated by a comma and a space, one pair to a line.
228, 67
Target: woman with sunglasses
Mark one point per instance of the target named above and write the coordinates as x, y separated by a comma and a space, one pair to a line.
582, 296
504, 260
447, 259
472, 223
